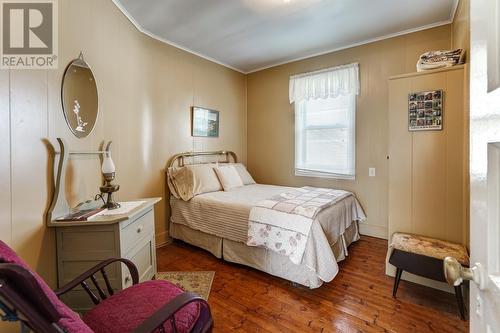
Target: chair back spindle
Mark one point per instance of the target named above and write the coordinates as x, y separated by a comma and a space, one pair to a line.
101, 293
92, 296
106, 280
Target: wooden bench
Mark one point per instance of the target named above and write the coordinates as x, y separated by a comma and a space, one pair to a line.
423, 256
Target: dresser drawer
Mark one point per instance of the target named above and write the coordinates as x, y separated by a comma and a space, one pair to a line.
144, 259
136, 231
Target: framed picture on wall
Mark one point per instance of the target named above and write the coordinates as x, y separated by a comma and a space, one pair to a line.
205, 122
425, 111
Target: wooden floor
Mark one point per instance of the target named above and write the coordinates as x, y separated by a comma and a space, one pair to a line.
358, 300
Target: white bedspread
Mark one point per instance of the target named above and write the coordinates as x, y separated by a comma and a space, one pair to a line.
282, 223
225, 214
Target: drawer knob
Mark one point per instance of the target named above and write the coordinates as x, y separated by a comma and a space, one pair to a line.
139, 229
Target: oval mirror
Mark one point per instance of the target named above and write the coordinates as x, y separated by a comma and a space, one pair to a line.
79, 98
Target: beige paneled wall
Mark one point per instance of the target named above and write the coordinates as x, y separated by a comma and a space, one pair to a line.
271, 118
5, 198
460, 29
460, 33
427, 177
428, 169
146, 89
29, 125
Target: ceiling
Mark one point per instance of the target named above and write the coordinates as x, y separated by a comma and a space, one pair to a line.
249, 35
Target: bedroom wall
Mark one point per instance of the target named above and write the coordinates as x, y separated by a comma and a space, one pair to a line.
146, 89
271, 118
460, 28
460, 38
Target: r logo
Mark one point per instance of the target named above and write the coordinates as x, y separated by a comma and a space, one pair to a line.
27, 28
29, 32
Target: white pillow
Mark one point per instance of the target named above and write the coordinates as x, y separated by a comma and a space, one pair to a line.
204, 178
191, 180
246, 178
228, 177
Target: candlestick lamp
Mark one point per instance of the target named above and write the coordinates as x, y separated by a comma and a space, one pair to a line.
108, 173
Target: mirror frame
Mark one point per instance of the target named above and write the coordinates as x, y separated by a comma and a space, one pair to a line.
81, 62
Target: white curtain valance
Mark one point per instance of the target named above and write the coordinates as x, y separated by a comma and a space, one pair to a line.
325, 83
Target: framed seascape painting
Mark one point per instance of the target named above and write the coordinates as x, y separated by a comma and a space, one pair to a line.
425, 111
205, 122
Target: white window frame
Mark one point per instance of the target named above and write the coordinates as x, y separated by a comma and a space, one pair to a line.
300, 144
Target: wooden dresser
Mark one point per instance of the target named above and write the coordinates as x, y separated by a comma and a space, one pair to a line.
81, 245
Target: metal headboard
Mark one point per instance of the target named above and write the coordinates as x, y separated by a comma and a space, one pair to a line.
179, 158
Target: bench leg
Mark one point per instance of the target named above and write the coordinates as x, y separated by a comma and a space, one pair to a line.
397, 279
460, 301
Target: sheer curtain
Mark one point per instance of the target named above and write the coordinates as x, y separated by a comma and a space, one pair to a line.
325, 83
325, 105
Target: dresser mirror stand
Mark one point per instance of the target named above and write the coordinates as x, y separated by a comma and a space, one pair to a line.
83, 244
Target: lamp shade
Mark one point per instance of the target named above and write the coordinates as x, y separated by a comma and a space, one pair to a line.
108, 166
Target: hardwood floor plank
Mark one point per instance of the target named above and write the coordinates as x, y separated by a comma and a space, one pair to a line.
359, 299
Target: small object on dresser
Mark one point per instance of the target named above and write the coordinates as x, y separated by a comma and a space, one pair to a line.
108, 172
81, 215
125, 208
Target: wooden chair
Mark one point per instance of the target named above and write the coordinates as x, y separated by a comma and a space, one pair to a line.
151, 306
424, 256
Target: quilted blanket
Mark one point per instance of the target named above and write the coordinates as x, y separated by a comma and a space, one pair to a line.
283, 222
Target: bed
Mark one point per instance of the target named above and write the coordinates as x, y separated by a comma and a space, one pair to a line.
218, 221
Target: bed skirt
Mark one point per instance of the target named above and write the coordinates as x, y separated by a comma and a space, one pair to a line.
260, 258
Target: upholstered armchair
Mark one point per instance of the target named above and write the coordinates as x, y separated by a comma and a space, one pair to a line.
151, 306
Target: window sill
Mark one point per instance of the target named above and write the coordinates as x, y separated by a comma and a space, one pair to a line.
313, 174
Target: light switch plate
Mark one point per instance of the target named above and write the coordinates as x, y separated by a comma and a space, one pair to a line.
371, 172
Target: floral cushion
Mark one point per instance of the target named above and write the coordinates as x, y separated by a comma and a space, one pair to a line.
429, 247
70, 321
126, 310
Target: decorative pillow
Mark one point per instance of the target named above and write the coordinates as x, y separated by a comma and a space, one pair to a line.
246, 178
191, 180
171, 183
204, 178
181, 183
229, 177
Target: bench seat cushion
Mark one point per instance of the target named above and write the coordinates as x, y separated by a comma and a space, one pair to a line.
429, 247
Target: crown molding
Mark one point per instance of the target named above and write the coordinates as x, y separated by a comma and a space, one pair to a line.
166, 41
363, 42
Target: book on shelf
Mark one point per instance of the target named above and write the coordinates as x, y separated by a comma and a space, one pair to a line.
81, 215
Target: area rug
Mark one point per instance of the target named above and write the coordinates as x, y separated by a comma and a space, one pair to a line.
197, 282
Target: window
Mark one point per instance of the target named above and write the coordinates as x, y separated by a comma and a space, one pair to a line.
325, 137
325, 114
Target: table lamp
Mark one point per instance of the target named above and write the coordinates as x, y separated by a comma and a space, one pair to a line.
108, 173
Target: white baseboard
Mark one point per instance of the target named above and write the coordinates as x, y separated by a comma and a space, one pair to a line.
391, 271
373, 230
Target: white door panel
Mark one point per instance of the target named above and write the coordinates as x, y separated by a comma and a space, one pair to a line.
485, 165
491, 291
